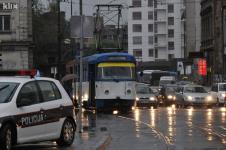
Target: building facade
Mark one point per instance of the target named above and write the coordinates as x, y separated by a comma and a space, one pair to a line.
212, 38
192, 26
156, 29
15, 34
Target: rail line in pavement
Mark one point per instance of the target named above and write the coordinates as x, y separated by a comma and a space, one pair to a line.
166, 139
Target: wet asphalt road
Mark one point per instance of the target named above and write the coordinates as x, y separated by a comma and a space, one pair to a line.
161, 129
168, 128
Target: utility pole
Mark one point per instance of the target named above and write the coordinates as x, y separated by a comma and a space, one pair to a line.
81, 68
71, 8
59, 39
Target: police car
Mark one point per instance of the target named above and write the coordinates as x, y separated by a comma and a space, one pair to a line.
34, 110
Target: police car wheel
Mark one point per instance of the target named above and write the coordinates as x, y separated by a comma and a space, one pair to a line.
67, 134
6, 138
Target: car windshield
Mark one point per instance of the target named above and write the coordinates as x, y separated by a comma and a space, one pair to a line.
171, 89
194, 90
162, 82
222, 87
143, 90
6, 91
112, 73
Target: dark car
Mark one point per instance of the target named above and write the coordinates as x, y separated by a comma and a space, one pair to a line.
167, 95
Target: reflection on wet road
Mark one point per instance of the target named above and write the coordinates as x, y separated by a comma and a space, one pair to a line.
190, 128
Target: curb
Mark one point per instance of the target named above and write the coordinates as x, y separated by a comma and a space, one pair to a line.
103, 143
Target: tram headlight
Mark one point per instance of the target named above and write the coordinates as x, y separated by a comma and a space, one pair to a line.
128, 91
106, 92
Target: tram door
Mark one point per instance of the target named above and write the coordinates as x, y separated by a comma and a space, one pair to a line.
92, 77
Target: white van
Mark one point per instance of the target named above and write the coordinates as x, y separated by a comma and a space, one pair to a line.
164, 80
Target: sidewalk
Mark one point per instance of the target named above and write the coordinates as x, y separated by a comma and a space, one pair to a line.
93, 137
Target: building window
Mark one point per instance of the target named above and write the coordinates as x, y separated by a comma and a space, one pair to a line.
137, 40
170, 33
170, 20
137, 52
156, 39
170, 45
4, 22
171, 56
150, 40
150, 3
156, 28
137, 16
136, 3
155, 3
156, 16
156, 53
150, 15
170, 8
137, 28
151, 52
150, 27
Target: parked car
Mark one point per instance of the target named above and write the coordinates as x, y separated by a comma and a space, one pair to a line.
218, 90
189, 95
145, 97
167, 94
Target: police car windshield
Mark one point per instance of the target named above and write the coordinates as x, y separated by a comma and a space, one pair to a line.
6, 91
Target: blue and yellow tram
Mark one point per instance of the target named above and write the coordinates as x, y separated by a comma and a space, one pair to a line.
109, 81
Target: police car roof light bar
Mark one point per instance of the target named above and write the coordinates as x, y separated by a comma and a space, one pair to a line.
30, 73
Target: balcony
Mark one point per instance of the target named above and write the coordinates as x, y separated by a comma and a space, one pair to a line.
161, 7
161, 20
160, 45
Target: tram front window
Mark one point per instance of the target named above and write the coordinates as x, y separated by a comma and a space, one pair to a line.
108, 73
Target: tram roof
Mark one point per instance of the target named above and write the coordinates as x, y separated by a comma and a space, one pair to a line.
114, 56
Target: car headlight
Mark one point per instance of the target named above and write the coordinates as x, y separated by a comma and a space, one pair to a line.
209, 98
170, 97
137, 98
190, 98
223, 95
151, 98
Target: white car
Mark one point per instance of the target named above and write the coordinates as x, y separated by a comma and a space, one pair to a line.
189, 95
218, 90
34, 110
145, 97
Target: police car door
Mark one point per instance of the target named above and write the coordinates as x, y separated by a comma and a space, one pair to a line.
53, 107
30, 120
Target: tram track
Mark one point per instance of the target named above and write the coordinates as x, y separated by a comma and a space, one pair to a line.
163, 137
